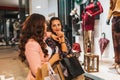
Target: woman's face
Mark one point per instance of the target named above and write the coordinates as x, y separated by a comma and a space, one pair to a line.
56, 26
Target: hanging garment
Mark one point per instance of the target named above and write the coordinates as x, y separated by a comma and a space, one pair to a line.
88, 15
88, 22
94, 9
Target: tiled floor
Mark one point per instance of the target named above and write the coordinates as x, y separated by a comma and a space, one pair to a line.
11, 66
105, 72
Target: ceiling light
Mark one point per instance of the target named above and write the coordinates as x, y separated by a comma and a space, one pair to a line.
26, 14
38, 7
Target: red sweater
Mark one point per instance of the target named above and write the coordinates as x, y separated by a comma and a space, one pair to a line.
88, 16
94, 10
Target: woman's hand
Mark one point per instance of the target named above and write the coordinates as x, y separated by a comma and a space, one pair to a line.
54, 58
59, 37
60, 34
56, 38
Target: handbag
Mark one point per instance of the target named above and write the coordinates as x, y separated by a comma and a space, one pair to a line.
76, 47
52, 75
71, 67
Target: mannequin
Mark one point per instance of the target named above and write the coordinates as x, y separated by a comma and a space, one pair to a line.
114, 12
92, 8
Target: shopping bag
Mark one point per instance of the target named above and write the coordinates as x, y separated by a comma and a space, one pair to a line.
57, 68
72, 67
52, 75
42, 72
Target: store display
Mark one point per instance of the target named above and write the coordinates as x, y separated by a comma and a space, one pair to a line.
75, 16
90, 10
91, 62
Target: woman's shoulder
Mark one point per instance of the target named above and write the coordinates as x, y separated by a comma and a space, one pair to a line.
32, 43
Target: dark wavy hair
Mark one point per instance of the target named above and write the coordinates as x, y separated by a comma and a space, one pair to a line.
50, 23
33, 27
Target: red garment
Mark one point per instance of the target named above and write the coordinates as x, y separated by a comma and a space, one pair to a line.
88, 16
94, 10
88, 22
76, 47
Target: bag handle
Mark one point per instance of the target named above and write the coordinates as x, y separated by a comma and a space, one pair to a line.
50, 69
103, 34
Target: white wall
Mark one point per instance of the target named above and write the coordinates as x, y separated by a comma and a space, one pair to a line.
47, 7
102, 27
44, 7
52, 8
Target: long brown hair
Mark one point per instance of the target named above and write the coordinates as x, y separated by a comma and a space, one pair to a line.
33, 27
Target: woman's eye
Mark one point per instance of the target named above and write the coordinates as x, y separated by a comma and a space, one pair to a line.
55, 25
58, 24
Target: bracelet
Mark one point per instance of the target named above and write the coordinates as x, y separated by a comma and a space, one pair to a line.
62, 42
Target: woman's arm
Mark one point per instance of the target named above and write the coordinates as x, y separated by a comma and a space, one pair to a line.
33, 56
54, 58
60, 38
64, 45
